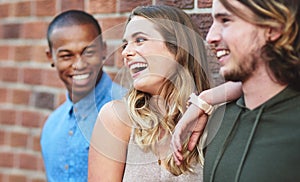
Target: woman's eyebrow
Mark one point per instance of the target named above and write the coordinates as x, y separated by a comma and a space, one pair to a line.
134, 35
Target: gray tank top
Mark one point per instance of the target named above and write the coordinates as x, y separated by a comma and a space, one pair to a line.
143, 167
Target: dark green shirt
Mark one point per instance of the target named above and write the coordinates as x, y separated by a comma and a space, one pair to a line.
256, 145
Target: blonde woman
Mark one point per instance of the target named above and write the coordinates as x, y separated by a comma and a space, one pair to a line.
166, 58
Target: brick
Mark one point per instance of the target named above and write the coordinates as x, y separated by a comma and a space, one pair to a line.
44, 100
22, 8
182, 4
115, 58
21, 96
4, 10
203, 21
6, 159
38, 54
11, 31
17, 177
102, 6
51, 78
110, 61
22, 53
38, 180
2, 138
28, 161
61, 99
40, 163
8, 117
112, 51
3, 95
72, 4
113, 28
40, 29
118, 58
44, 117
18, 139
32, 76
31, 119
9, 74
36, 143
45, 7
204, 3
4, 52
129, 5
2, 176
2, 31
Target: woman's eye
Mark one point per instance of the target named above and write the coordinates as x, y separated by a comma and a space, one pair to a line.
124, 46
140, 40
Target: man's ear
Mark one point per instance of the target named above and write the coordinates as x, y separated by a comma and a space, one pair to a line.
273, 33
50, 57
48, 54
104, 50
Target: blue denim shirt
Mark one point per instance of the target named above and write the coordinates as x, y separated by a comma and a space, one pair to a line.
66, 134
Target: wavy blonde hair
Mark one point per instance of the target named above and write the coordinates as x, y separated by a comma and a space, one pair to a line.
283, 54
184, 41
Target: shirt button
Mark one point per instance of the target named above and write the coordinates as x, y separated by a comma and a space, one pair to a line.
66, 167
70, 132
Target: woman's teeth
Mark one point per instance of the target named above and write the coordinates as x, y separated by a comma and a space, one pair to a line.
138, 67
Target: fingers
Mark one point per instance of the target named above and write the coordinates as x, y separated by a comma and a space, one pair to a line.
188, 124
198, 130
193, 140
176, 145
177, 157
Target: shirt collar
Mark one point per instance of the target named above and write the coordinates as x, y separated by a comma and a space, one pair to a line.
96, 95
286, 93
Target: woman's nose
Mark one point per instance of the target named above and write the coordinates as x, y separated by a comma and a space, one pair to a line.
128, 50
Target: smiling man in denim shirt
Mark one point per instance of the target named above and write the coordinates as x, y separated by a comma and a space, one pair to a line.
77, 51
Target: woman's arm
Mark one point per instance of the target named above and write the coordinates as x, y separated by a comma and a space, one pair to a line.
194, 120
222, 93
107, 154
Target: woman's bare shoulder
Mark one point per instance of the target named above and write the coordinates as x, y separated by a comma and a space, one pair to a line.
114, 117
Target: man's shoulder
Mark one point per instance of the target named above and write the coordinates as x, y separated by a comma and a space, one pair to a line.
59, 112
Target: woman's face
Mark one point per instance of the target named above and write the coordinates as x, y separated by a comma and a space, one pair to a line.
146, 55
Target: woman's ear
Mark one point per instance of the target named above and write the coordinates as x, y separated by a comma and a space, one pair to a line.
273, 33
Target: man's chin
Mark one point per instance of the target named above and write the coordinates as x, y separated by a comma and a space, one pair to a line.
79, 93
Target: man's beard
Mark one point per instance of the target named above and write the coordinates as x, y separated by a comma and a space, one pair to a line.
243, 70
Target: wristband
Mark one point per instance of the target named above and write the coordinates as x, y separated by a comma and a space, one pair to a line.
207, 108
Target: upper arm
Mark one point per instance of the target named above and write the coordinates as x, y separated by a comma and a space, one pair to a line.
109, 142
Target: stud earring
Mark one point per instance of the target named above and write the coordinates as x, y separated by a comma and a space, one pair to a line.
52, 65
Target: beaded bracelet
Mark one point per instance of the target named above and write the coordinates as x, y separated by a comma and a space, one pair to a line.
194, 99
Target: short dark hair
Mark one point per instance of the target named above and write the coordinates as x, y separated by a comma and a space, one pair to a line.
69, 18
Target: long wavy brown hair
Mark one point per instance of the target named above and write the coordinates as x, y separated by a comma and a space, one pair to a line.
184, 41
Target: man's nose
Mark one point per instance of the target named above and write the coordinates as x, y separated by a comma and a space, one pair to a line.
214, 34
79, 62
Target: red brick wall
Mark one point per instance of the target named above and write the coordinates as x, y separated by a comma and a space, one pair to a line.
30, 88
